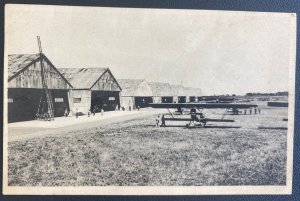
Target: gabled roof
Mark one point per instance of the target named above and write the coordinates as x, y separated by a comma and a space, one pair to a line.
161, 89
191, 91
129, 86
84, 78
179, 90
18, 62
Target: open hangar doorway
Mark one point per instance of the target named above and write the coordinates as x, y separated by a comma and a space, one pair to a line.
106, 100
167, 99
142, 101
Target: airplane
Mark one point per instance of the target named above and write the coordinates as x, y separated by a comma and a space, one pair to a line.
197, 117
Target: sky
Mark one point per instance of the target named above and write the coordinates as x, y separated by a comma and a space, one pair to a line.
219, 52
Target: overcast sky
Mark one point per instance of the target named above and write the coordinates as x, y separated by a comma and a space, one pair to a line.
220, 52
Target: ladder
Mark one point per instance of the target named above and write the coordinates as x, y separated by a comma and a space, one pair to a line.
45, 84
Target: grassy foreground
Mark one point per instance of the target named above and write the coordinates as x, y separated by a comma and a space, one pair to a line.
136, 153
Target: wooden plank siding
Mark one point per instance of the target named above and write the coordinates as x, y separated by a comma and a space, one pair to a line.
92, 87
83, 105
31, 77
127, 101
106, 83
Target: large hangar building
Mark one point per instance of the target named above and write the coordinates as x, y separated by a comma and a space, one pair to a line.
25, 87
135, 92
92, 88
162, 92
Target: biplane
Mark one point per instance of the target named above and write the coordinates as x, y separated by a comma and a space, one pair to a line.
195, 115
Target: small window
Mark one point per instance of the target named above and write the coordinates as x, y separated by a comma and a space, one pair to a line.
59, 100
111, 98
10, 100
76, 100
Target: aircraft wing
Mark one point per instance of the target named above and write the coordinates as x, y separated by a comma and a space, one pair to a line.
202, 105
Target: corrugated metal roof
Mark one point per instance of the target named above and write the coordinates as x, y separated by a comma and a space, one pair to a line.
161, 89
129, 86
82, 78
17, 62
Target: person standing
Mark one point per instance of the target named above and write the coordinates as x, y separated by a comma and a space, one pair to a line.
158, 121
66, 112
77, 113
94, 110
102, 111
163, 122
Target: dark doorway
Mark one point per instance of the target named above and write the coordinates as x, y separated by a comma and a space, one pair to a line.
143, 101
24, 104
106, 100
192, 99
181, 99
167, 99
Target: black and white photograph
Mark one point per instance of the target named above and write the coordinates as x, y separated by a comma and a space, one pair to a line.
143, 101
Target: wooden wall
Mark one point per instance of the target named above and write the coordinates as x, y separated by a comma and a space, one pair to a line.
85, 101
127, 101
157, 99
106, 83
31, 78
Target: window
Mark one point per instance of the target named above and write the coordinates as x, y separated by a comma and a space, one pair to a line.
111, 98
10, 100
59, 100
76, 100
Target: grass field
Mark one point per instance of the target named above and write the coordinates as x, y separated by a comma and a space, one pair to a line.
134, 152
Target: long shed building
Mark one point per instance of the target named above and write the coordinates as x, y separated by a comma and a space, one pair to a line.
135, 92
25, 88
162, 92
193, 94
92, 88
180, 94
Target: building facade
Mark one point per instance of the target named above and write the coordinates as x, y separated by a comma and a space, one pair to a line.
25, 88
93, 89
135, 93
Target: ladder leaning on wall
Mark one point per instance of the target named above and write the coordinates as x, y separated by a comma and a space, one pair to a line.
49, 115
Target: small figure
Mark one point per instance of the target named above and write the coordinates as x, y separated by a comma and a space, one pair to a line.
255, 110
258, 110
157, 121
245, 112
77, 113
89, 113
250, 111
102, 111
138, 107
66, 112
94, 110
129, 108
163, 122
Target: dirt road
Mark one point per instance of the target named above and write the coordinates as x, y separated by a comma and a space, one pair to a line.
33, 129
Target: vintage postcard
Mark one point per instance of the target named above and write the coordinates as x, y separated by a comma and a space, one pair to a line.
126, 101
